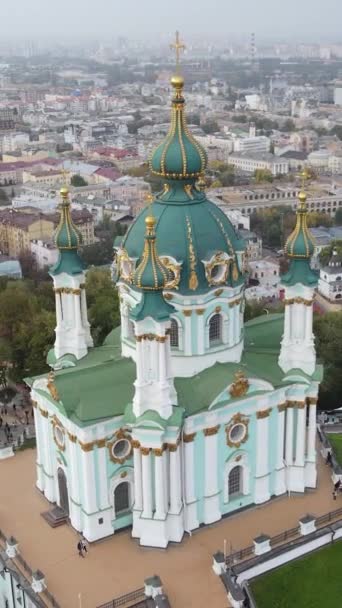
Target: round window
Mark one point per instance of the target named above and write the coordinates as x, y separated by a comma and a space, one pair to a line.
237, 433
217, 272
59, 436
121, 448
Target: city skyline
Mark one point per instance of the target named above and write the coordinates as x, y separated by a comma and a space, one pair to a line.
149, 20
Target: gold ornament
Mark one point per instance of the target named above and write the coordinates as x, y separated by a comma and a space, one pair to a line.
240, 385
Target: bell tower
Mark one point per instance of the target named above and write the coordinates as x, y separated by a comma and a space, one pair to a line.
72, 327
297, 347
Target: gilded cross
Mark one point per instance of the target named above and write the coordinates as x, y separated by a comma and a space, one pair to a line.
304, 176
177, 46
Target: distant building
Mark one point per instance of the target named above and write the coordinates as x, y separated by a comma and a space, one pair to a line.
265, 271
251, 162
253, 244
330, 279
45, 252
10, 268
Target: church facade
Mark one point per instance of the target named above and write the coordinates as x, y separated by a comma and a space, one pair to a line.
184, 414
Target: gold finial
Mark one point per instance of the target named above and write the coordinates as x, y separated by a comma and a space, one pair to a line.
177, 46
64, 192
304, 176
201, 184
150, 221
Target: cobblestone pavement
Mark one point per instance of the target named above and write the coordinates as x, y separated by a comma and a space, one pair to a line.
118, 564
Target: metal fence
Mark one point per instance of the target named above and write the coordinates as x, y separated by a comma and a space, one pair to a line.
127, 600
283, 537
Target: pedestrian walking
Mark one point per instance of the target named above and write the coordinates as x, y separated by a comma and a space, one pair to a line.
1, 421
328, 459
84, 546
80, 548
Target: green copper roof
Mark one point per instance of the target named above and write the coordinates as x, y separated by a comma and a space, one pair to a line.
179, 156
67, 239
300, 272
154, 305
300, 244
151, 274
190, 229
100, 386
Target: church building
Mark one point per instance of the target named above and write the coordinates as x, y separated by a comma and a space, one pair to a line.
185, 414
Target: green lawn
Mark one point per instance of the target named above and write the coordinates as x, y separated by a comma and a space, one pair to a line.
336, 442
314, 581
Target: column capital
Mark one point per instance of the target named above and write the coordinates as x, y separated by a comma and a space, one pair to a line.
188, 437
300, 405
263, 413
159, 451
213, 430
200, 311
282, 407
312, 400
145, 451
135, 444
72, 438
187, 312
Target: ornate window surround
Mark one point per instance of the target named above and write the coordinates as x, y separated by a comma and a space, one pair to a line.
220, 260
175, 267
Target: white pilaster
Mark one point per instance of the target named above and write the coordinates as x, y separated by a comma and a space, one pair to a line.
175, 479
48, 444
289, 436
189, 473
40, 483
212, 510
89, 484
159, 484
200, 331
75, 501
297, 473
138, 495
280, 480
262, 491
147, 483
310, 465
187, 333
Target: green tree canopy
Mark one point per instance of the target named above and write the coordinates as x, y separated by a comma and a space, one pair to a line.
326, 253
328, 333
103, 303
78, 181
338, 217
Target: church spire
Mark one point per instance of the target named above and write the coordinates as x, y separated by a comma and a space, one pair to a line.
67, 239
179, 156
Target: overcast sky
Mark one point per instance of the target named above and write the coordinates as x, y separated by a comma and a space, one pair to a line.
313, 19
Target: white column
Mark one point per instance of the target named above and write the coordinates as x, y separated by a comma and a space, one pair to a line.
175, 479
75, 501
300, 439
308, 323
166, 478
262, 492
211, 493
311, 451
280, 478
286, 335
291, 320
159, 483
146, 482
231, 326
101, 453
237, 322
187, 332
162, 362
200, 331
139, 361
39, 448
189, 467
47, 449
59, 315
88, 477
84, 310
77, 308
289, 436
138, 496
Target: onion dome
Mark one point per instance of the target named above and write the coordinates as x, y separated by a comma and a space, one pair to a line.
151, 277
67, 239
299, 248
300, 243
66, 236
179, 156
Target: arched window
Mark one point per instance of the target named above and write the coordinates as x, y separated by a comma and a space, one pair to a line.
174, 337
235, 482
215, 330
121, 498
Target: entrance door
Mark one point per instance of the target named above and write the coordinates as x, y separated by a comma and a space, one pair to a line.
63, 491
121, 498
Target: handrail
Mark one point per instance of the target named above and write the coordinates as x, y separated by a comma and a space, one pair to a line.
125, 600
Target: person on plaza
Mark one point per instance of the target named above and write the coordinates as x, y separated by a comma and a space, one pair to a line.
329, 459
84, 546
80, 548
1, 421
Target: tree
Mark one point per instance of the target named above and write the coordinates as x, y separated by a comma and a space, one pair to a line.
326, 253
210, 126
319, 219
227, 178
338, 217
140, 171
288, 125
328, 332
263, 175
103, 303
78, 181
4, 200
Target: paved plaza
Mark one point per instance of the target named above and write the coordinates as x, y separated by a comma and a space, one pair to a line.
118, 564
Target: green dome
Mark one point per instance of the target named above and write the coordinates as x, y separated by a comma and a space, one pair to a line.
190, 229
150, 275
66, 236
179, 156
67, 239
300, 243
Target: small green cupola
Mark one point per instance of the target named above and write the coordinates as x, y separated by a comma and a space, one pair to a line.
179, 156
299, 248
67, 240
150, 278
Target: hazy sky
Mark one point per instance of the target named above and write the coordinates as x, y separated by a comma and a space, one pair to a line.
158, 18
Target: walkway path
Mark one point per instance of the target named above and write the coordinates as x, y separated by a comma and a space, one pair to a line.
117, 565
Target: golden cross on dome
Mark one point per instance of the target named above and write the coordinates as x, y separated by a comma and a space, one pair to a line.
177, 46
304, 176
